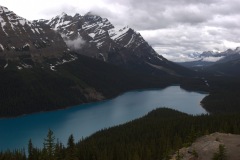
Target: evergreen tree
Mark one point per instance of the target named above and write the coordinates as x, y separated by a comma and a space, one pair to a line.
30, 150
59, 151
71, 148
49, 144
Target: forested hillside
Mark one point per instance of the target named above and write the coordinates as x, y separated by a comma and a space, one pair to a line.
83, 80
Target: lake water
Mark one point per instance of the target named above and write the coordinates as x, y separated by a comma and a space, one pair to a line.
83, 120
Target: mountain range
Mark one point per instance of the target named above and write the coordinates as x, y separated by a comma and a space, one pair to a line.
219, 63
48, 42
68, 60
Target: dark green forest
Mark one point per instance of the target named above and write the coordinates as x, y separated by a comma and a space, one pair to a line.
88, 80
224, 92
84, 80
155, 136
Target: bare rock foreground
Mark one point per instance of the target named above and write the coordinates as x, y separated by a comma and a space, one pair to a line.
205, 147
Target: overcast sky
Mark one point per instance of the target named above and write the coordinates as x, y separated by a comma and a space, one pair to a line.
173, 27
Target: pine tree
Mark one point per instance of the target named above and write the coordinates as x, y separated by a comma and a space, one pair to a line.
59, 151
30, 150
49, 144
71, 148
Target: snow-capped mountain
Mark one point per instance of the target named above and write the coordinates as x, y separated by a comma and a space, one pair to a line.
99, 35
230, 55
96, 37
229, 65
26, 42
208, 58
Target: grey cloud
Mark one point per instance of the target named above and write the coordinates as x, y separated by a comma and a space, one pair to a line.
174, 42
175, 27
157, 14
57, 10
76, 43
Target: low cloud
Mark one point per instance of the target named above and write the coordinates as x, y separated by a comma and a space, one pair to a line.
75, 44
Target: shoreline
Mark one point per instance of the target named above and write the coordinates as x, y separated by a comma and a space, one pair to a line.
106, 99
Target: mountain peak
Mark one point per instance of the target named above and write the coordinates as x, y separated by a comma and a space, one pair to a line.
77, 15
90, 13
3, 9
237, 49
63, 14
90, 16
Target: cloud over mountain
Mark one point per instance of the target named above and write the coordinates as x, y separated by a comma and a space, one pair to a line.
172, 27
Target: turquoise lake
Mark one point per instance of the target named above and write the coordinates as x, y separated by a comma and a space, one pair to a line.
83, 120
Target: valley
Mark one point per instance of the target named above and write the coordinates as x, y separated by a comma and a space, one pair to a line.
99, 90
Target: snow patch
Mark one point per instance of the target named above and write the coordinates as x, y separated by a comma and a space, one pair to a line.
52, 68
130, 41
36, 29
26, 65
92, 35
73, 58
115, 34
99, 44
19, 68
22, 22
70, 33
3, 23
33, 30
1, 46
26, 45
104, 59
6, 65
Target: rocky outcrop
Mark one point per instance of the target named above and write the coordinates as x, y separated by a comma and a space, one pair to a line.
205, 147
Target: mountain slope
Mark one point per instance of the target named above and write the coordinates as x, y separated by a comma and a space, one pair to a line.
228, 68
229, 65
38, 73
96, 37
26, 42
83, 80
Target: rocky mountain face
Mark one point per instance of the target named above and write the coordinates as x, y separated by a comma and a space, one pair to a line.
27, 42
96, 37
